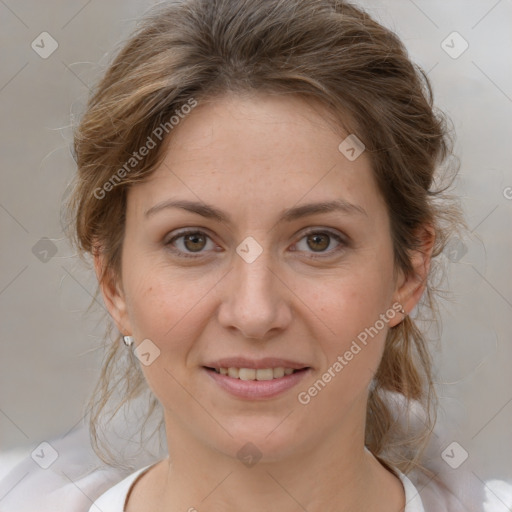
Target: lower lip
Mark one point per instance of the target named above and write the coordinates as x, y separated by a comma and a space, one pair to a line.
257, 389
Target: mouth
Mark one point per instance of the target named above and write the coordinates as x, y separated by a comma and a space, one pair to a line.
256, 384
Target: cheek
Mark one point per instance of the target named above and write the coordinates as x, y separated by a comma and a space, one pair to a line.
350, 356
355, 309
354, 300
165, 311
161, 306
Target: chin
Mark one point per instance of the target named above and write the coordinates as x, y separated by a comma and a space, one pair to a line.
266, 442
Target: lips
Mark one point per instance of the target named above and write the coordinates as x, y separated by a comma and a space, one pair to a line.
256, 379
257, 389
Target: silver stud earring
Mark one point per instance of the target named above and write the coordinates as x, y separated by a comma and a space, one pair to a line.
128, 340
403, 311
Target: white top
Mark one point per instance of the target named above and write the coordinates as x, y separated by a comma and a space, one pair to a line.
114, 500
75, 477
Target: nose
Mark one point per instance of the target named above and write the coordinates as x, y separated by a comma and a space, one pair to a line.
255, 298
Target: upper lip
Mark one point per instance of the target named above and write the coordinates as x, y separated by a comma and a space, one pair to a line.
267, 362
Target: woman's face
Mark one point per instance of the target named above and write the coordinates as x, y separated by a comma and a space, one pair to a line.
276, 278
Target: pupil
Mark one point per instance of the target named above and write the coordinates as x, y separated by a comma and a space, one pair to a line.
316, 237
193, 238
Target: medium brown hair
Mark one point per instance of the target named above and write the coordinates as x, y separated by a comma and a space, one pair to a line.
326, 51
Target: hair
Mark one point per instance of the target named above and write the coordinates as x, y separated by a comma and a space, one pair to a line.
325, 51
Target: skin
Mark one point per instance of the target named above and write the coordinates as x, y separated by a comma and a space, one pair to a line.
254, 156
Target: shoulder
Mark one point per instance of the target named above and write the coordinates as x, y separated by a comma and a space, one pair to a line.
114, 499
68, 486
61, 475
413, 502
459, 492
445, 487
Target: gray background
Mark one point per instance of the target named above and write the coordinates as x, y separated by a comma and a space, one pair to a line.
49, 346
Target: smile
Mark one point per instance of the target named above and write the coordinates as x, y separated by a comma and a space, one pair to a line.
261, 383
255, 374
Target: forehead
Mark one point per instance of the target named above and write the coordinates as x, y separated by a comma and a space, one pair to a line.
258, 152
255, 127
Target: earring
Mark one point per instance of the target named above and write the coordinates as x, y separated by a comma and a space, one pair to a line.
128, 340
403, 311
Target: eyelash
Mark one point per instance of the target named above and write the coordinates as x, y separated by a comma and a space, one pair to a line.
343, 243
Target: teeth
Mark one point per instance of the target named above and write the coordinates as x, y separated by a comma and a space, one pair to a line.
279, 372
253, 374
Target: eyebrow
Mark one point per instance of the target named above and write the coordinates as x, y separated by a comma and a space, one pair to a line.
288, 215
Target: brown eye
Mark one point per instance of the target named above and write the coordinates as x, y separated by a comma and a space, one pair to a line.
186, 243
321, 242
318, 242
194, 242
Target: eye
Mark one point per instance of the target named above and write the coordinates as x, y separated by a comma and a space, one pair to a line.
320, 240
189, 242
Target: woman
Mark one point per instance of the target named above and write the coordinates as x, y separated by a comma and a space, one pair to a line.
256, 185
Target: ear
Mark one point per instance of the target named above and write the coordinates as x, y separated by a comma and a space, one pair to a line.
410, 288
113, 295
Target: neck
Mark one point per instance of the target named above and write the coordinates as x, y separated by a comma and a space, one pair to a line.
336, 474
